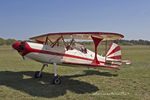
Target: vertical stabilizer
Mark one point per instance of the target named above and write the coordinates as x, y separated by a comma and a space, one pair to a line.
114, 53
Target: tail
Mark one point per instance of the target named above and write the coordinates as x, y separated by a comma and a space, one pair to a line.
114, 54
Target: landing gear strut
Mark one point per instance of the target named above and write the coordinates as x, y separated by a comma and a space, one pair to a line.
56, 79
38, 74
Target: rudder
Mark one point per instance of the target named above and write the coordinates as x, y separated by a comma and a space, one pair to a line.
114, 53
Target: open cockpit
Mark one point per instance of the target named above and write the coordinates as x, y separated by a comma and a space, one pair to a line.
68, 44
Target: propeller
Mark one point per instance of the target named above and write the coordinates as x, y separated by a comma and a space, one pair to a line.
21, 46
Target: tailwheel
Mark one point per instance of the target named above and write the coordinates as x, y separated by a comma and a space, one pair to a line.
37, 74
56, 80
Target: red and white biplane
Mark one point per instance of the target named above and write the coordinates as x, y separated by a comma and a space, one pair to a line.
53, 48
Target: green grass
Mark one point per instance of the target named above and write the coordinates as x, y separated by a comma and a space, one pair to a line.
131, 82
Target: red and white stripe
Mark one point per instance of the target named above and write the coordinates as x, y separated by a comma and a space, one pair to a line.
114, 53
46, 54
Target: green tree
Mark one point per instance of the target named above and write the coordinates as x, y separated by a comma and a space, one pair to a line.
2, 41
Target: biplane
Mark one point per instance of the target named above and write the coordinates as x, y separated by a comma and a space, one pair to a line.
59, 48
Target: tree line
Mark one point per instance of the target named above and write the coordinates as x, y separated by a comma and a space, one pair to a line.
133, 42
121, 42
8, 41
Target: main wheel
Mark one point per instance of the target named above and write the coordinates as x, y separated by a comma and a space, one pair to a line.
57, 80
36, 75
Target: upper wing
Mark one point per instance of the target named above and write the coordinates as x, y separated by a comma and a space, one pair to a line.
79, 36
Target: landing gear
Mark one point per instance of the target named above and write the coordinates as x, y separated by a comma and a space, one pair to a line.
56, 79
38, 74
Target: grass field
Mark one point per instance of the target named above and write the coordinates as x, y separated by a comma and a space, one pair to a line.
132, 82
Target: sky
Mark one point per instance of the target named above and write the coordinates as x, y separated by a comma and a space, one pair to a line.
22, 19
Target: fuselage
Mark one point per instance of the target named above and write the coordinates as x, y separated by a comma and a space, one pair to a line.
58, 54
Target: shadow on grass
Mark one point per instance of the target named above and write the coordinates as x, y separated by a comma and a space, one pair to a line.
43, 88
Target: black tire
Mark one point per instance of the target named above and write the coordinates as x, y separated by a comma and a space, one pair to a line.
36, 75
57, 80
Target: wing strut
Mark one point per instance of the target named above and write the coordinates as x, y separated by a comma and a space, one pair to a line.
46, 41
96, 42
